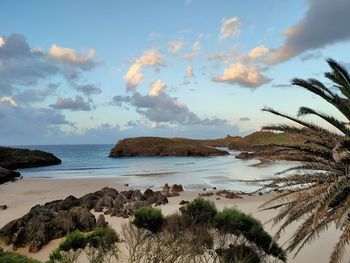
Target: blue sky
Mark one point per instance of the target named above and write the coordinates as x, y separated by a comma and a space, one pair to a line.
97, 71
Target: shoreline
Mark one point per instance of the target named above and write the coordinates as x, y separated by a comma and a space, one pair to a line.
22, 195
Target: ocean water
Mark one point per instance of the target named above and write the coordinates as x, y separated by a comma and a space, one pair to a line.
92, 161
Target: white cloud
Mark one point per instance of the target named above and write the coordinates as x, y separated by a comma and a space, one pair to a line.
258, 52
230, 27
157, 88
175, 46
196, 48
2, 41
189, 71
8, 100
247, 76
134, 76
70, 56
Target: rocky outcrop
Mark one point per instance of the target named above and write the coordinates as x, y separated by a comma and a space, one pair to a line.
57, 218
8, 175
156, 146
13, 158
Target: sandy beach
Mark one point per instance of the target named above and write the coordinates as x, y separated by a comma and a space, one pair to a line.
20, 196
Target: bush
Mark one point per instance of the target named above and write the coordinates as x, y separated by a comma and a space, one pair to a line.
149, 218
104, 237
101, 242
238, 253
73, 241
199, 211
233, 221
11, 257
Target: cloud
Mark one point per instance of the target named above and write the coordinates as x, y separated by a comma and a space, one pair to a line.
258, 52
323, 24
71, 57
134, 76
244, 119
8, 100
196, 48
175, 46
159, 107
2, 41
311, 55
157, 87
88, 89
26, 124
36, 95
189, 71
230, 27
22, 67
69, 104
246, 76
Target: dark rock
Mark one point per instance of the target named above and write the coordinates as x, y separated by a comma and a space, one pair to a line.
214, 188
183, 202
3, 207
207, 194
177, 188
228, 194
101, 221
126, 185
8, 175
13, 158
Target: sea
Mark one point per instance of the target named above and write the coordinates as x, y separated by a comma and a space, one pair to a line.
92, 161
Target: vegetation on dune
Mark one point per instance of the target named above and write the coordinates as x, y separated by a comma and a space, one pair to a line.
318, 193
149, 218
12, 257
99, 245
200, 234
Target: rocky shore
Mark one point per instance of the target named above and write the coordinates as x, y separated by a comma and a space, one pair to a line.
15, 158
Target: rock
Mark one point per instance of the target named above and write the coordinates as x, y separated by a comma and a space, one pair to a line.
177, 188
101, 221
57, 218
260, 193
166, 188
214, 188
172, 194
156, 146
207, 194
126, 185
218, 198
204, 189
148, 193
8, 175
228, 194
3, 207
13, 158
183, 202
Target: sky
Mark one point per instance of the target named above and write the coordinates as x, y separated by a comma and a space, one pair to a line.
81, 72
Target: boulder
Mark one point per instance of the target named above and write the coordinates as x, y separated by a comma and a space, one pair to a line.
14, 158
8, 175
177, 188
101, 221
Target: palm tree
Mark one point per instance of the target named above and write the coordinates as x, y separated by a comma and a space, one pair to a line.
317, 192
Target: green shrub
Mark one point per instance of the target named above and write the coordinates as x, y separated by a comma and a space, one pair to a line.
105, 237
199, 211
101, 239
149, 218
12, 257
73, 241
233, 221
